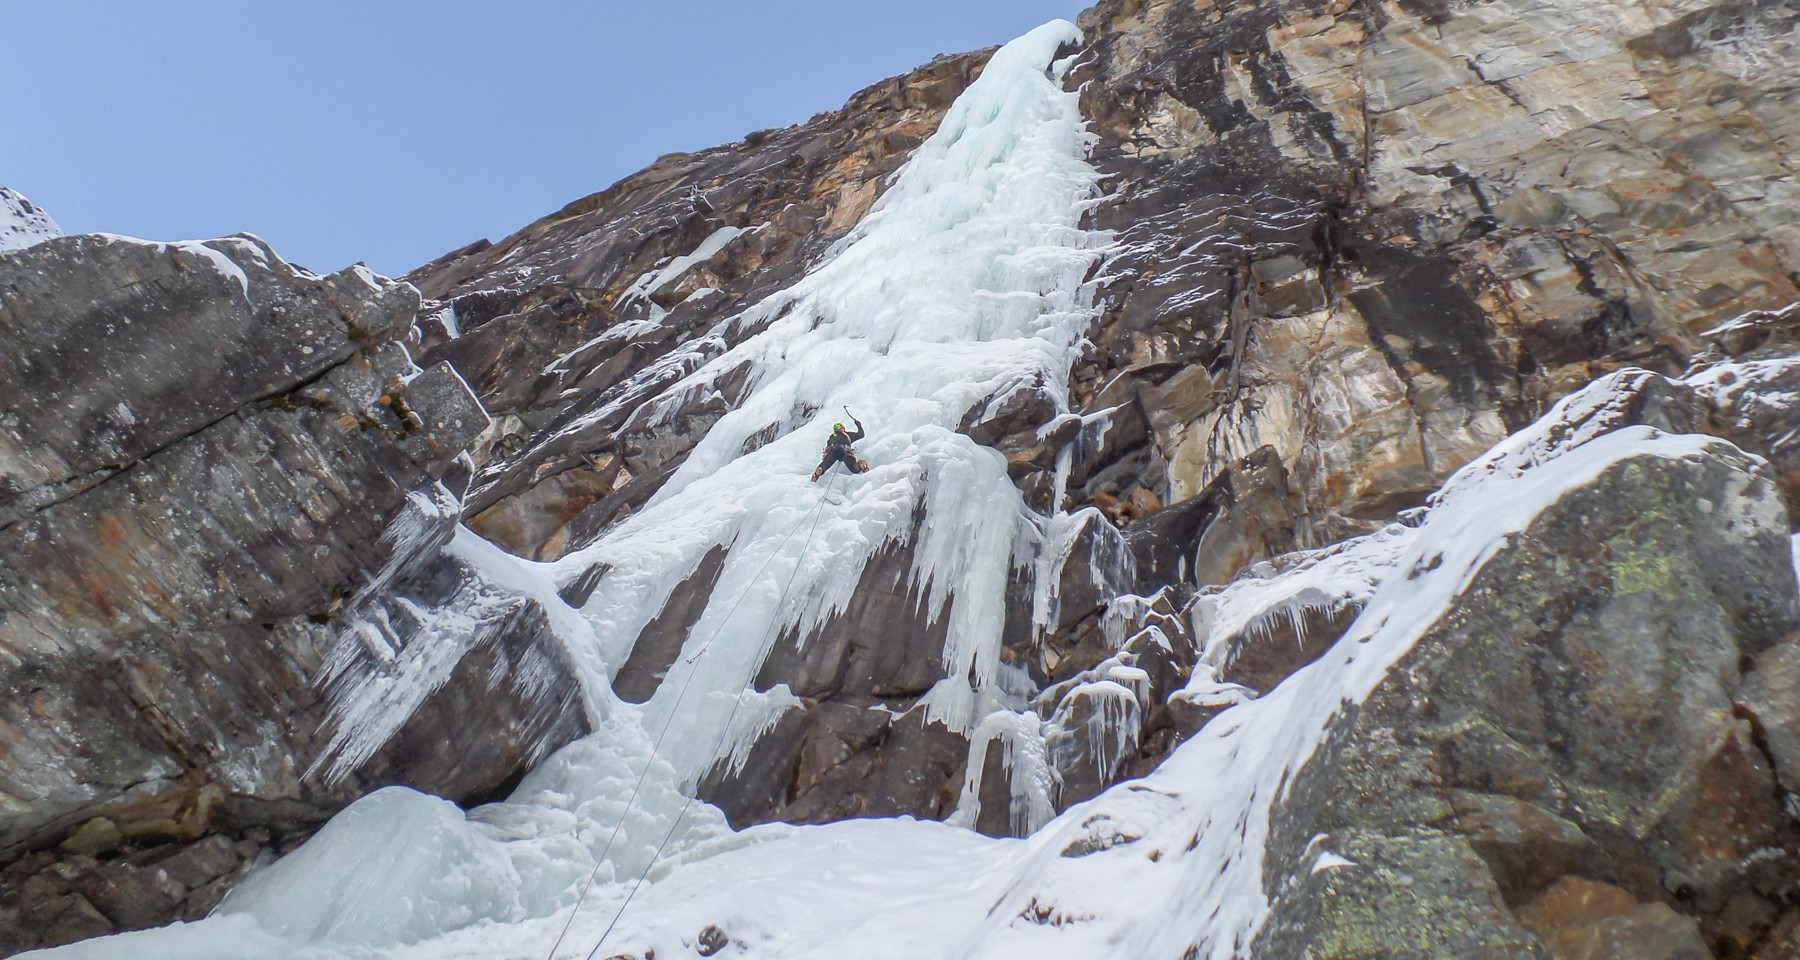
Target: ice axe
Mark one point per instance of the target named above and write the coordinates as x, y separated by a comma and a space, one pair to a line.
863, 463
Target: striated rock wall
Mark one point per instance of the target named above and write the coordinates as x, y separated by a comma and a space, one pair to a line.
1377, 237
214, 468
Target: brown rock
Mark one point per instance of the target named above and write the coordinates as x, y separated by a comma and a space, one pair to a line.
1525, 846
1583, 920
1771, 697
71, 918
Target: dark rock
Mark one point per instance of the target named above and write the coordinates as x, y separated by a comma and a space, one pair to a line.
758, 790
660, 642
1244, 515
837, 760
1112, 425
535, 523
1783, 939
1525, 847
711, 941
1549, 679
118, 348
1758, 334
835, 732
1097, 727
886, 643
186, 567
70, 918
916, 769
1096, 566
201, 863
1282, 641
1771, 697
994, 816
133, 897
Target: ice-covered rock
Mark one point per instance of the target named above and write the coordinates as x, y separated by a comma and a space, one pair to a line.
23, 223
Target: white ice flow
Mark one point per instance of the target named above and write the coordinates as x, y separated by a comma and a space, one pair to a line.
964, 282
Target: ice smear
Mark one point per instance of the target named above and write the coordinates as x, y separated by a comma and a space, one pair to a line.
1330, 861
714, 242
1111, 566
1115, 715
22, 223
757, 714
396, 651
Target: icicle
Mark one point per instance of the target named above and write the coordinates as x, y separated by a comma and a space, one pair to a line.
1030, 779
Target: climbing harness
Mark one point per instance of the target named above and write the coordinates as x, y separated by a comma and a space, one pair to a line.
818, 513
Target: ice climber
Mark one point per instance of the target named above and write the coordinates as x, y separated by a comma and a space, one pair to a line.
837, 450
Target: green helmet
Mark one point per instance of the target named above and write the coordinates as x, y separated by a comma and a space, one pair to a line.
837, 426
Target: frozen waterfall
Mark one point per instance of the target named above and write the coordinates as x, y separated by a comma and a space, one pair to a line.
963, 282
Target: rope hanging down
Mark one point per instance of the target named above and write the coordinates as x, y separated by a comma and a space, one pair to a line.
818, 512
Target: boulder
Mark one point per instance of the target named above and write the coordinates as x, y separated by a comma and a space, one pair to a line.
216, 472
1522, 749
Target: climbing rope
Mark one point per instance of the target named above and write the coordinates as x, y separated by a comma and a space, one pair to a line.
818, 512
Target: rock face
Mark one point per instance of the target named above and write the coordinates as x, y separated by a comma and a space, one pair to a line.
1357, 245
1551, 763
1588, 753
214, 467
1377, 237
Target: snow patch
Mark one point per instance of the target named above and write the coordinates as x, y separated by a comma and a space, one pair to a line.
22, 223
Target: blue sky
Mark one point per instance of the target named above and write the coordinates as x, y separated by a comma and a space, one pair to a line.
392, 132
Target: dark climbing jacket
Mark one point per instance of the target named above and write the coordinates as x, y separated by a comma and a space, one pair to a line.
837, 450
